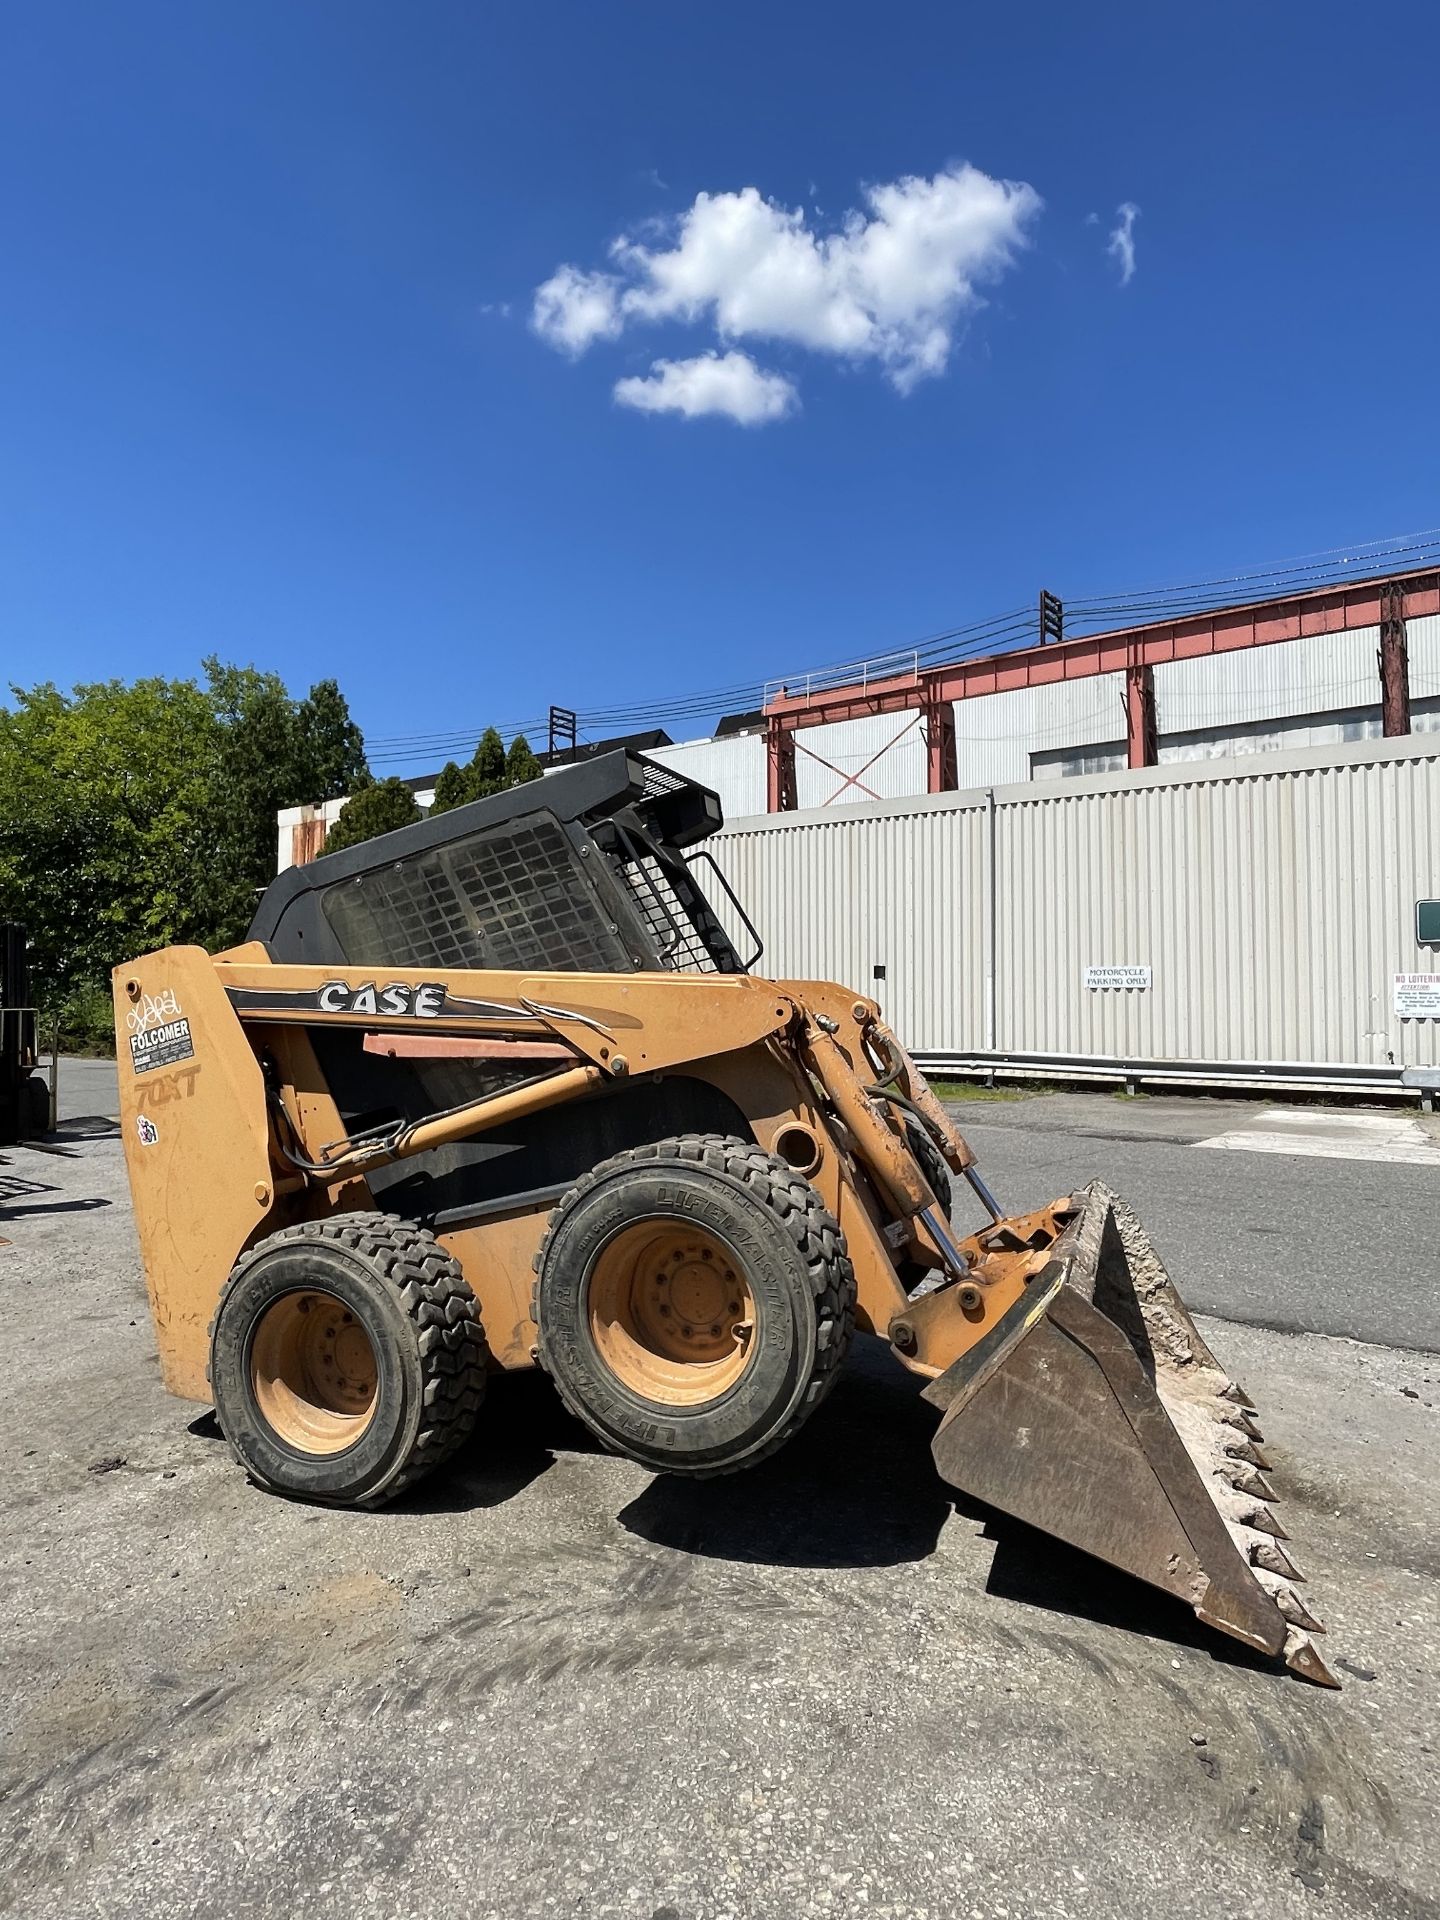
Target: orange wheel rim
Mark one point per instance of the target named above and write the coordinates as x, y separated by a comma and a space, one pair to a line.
313, 1372
671, 1312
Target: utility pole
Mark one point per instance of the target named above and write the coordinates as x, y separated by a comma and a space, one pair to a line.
1052, 619
561, 734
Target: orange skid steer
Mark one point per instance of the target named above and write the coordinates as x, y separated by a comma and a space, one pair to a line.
500, 1090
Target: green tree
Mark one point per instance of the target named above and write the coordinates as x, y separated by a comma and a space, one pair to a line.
520, 763
374, 808
490, 769
486, 770
259, 773
452, 788
331, 748
108, 827
274, 753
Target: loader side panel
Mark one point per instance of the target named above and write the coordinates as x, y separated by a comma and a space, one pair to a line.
528, 1161
192, 1117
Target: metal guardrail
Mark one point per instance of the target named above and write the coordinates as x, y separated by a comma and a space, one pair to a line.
853, 674
1273, 1076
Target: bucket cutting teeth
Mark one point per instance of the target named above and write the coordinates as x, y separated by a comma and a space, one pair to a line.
1248, 1451
1247, 1479
1302, 1656
1264, 1521
1098, 1377
1290, 1603
1267, 1554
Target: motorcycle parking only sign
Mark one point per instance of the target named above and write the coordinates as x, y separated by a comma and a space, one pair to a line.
1117, 979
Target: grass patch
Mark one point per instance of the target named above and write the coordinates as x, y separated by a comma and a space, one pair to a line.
959, 1090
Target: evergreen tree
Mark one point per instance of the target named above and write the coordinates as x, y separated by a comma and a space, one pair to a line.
452, 789
520, 763
487, 769
375, 807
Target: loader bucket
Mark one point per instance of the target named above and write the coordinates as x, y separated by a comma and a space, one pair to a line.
1094, 1410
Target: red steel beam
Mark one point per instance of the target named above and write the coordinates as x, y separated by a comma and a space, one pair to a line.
1142, 729
1394, 663
1333, 609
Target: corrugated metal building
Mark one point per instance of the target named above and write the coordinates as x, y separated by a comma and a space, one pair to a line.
1320, 689
1264, 905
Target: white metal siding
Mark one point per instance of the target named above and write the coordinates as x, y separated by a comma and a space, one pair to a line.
885, 754
992, 738
1273, 898
734, 768
1079, 713
1325, 673
835, 896
996, 733
1422, 639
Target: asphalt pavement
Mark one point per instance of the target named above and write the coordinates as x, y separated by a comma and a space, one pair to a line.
1297, 1242
549, 1682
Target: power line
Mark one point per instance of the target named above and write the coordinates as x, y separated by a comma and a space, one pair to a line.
998, 634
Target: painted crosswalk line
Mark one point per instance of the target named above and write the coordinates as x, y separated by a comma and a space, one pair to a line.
1398, 1138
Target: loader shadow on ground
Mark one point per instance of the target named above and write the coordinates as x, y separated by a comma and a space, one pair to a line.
1044, 1573
854, 1488
521, 1428
857, 1487
78, 1127
8, 1210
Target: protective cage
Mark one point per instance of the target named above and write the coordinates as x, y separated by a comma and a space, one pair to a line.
584, 871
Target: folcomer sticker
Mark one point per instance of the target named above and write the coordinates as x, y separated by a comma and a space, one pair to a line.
159, 1032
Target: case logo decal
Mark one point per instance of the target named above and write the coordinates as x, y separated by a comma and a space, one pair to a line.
425, 1003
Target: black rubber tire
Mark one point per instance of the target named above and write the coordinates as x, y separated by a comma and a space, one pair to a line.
799, 1274
36, 1094
932, 1165
423, 1323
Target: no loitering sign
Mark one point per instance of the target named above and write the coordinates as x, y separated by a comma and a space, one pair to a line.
1417, 996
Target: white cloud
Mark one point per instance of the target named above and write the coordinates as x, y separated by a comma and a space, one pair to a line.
730, 384
574, 309
1121, 245
890, 286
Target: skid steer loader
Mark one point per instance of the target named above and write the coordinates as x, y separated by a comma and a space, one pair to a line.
500, 1090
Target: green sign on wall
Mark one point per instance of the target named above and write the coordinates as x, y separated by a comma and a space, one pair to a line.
1427, 923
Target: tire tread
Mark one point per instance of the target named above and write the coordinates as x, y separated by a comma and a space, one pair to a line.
430, 1285
807, 1222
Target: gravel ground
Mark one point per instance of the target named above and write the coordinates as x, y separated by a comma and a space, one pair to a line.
552, 1683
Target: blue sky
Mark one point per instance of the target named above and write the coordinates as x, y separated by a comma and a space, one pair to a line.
273, 385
